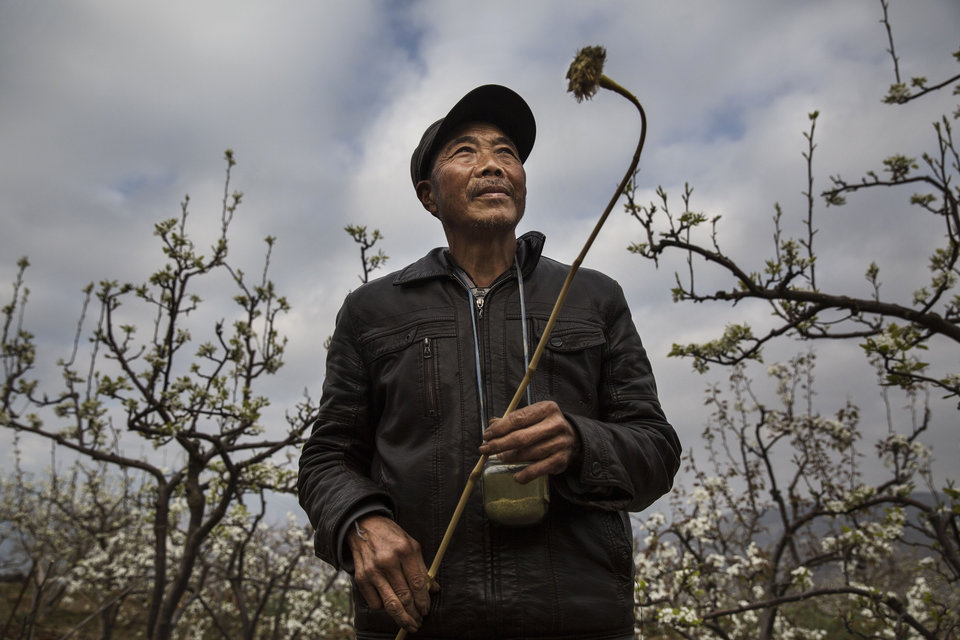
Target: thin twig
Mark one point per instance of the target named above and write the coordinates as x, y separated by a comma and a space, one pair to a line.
886, 23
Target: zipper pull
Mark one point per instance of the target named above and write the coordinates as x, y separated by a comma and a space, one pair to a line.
479, 300
427, 351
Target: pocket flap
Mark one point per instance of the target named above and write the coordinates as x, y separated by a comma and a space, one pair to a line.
403, 337
572, 336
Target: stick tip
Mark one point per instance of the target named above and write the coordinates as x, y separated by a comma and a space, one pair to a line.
585, 71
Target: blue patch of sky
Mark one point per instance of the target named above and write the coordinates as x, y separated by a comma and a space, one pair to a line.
726, 123
404, 31
728, 120
400, 34
133, 184
580, 29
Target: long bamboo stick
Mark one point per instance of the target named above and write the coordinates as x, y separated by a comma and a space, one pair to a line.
583, 83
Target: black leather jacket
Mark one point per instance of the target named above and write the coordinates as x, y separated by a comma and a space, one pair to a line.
399, 427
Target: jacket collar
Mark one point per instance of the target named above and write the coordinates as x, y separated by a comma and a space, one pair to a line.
438, 263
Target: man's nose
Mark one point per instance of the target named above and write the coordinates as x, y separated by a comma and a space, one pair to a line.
490, 164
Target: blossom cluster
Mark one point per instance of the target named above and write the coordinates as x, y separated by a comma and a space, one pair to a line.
786, 543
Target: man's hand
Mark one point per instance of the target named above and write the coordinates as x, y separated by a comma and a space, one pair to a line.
538, 434
389, 570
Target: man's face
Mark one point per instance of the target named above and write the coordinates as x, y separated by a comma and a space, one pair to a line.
477, 181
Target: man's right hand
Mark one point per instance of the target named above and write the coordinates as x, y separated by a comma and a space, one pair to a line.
389, 570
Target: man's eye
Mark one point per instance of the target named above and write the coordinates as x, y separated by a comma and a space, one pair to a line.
463, 150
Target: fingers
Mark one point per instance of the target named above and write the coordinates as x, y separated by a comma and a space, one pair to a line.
522, 418
389, 570
398, 601
367, 589
541, 445
549, 466
539, 434
415, 574
389, 595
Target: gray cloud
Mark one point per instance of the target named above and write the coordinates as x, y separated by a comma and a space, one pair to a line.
112, 111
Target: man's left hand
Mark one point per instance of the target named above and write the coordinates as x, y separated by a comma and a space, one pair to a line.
538, 434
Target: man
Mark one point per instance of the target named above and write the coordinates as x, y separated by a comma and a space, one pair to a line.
419, 362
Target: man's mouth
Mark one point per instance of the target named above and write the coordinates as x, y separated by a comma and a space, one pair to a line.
492, 189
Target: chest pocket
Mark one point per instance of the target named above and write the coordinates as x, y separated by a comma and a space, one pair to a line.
571, 367
405, 368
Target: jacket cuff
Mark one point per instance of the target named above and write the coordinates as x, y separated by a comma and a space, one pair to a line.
592, 481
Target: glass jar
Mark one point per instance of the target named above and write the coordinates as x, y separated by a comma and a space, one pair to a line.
509, 503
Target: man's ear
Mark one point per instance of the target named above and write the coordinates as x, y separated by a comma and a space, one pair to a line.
426, 197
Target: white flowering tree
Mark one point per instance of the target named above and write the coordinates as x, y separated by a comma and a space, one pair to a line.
80, 536
262, 580
779, 535
77, 534
195, 401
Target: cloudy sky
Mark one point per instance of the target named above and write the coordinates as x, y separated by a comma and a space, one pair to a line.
111, 111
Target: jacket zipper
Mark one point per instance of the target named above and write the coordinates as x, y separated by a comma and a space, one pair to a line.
480, 345
429, 377
479, 295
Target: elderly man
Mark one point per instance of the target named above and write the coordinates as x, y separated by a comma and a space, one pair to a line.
423, 361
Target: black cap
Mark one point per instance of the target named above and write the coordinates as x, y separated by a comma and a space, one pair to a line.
491, 103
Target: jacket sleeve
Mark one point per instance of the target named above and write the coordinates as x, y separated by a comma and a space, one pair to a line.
334, 478
630, 453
